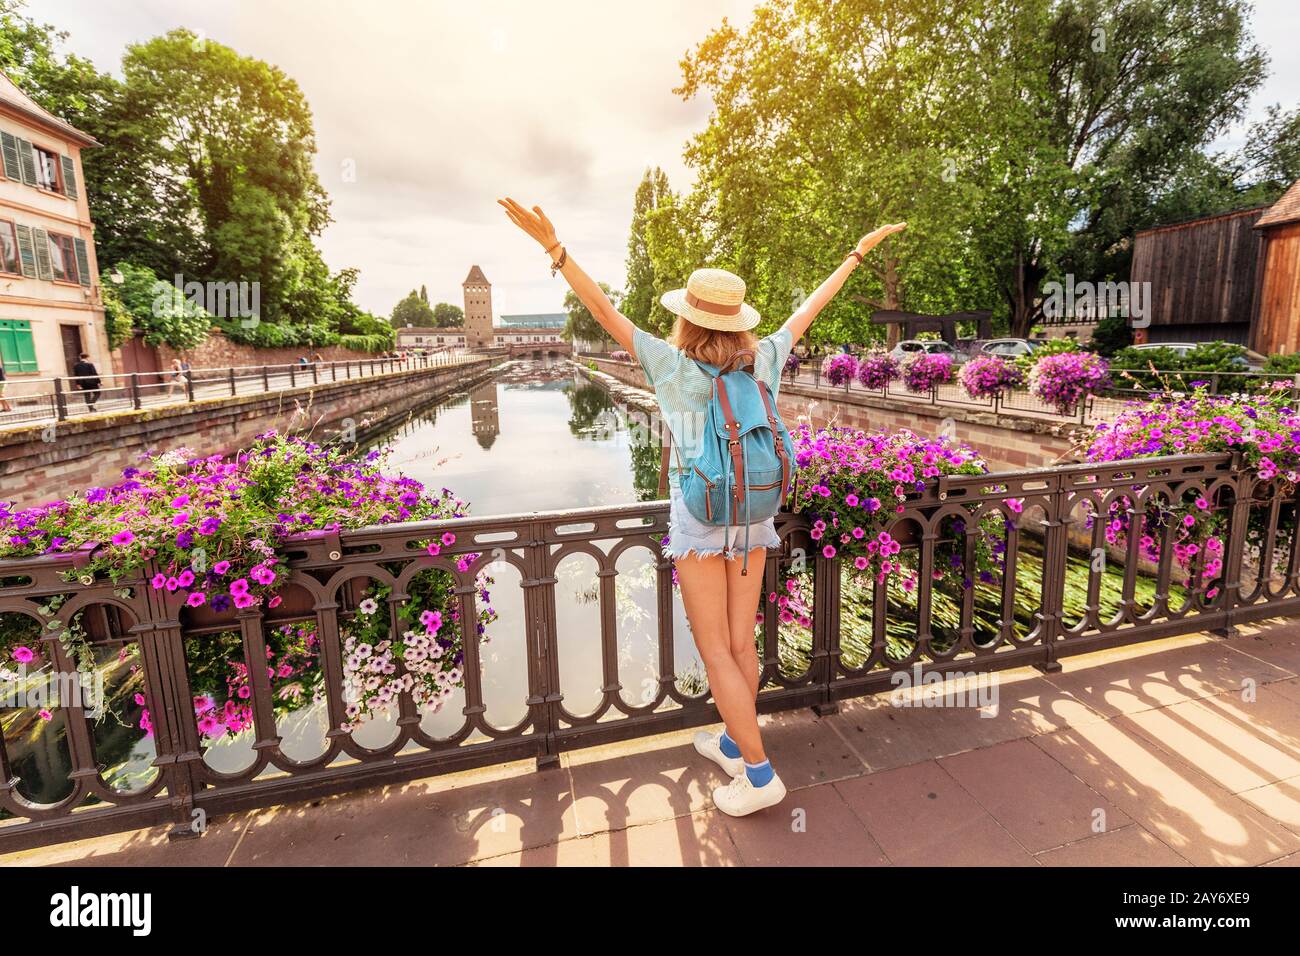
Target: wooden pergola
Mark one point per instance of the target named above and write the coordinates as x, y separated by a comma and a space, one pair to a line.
907, 325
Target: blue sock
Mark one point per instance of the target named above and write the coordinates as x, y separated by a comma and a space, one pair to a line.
760, 774
728, 746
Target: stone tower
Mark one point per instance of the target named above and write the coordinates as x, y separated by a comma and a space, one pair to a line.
478, 309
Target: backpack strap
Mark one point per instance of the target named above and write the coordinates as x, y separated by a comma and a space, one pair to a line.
733, 442
750, 356
776, 439
663, 462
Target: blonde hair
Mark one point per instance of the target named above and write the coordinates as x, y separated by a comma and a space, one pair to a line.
710, 346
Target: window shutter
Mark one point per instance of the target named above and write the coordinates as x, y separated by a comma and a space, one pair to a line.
41, 240
69, 177
9, 149
26, 251
28, 161
83, 262
17, 349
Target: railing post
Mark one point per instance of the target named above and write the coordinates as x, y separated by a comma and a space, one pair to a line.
135, 390
179, 756
293, 376
266, 379
334, 371
1056, 545
60, 401
315, 377
541, 641
1234, 548
826, 630
232, 380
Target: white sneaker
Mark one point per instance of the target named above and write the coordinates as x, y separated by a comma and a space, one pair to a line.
741, 798
710, 745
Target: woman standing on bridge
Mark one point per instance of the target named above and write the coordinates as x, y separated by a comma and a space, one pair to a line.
713, 325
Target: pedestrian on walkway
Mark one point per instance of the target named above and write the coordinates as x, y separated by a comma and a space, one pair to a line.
86, 378
175, 377
712, 334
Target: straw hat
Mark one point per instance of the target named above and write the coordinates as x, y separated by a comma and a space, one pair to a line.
714, 299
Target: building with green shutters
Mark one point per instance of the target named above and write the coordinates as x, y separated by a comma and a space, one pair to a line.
50, 307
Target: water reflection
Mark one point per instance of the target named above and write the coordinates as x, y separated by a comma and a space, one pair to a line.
537, 437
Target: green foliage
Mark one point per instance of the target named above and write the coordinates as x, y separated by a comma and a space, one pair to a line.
155, 308
1111, 334
412, 311
377, 342
206, 169
1045, 347
267, 335
1020, 140
117, 319
1139, 367
581, 324
645, 284
1217, 357
1283, 364
446, 315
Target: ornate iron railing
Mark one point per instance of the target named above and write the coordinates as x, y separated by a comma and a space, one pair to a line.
1063, 589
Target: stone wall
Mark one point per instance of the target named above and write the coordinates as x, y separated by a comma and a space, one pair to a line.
1007, 442
42, 463
217, 351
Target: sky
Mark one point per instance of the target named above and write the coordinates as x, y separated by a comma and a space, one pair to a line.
426, 112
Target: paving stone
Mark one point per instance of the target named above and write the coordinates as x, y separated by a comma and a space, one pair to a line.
1238, 745
921, 816
1035, 799
813, 827
1131, 682
1194, 816
1130, 846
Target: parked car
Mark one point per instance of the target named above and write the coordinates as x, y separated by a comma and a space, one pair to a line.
1006, 348
909, 347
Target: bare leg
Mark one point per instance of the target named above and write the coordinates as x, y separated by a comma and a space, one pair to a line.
743, 592
704, 593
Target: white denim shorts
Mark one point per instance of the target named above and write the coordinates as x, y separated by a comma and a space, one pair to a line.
687, 534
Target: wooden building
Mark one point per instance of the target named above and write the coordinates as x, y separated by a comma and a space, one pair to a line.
1277, 304
1230, 277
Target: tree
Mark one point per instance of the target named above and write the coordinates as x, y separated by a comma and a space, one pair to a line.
1113, 99
1019, 138
446, 315
829, 120
581, 325
412, 311
1112, 334
643, 287
157, 309
424, 295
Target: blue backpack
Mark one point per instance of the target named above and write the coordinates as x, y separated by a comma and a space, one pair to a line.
746, 458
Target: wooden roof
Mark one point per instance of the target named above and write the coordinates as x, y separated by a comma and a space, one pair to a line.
1286, 209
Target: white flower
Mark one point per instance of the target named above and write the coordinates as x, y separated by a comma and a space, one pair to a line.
368, 606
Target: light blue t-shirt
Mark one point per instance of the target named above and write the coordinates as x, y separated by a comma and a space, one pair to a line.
683, 389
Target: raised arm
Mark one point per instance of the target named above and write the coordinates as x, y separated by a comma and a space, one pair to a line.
803, 316
535, 223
